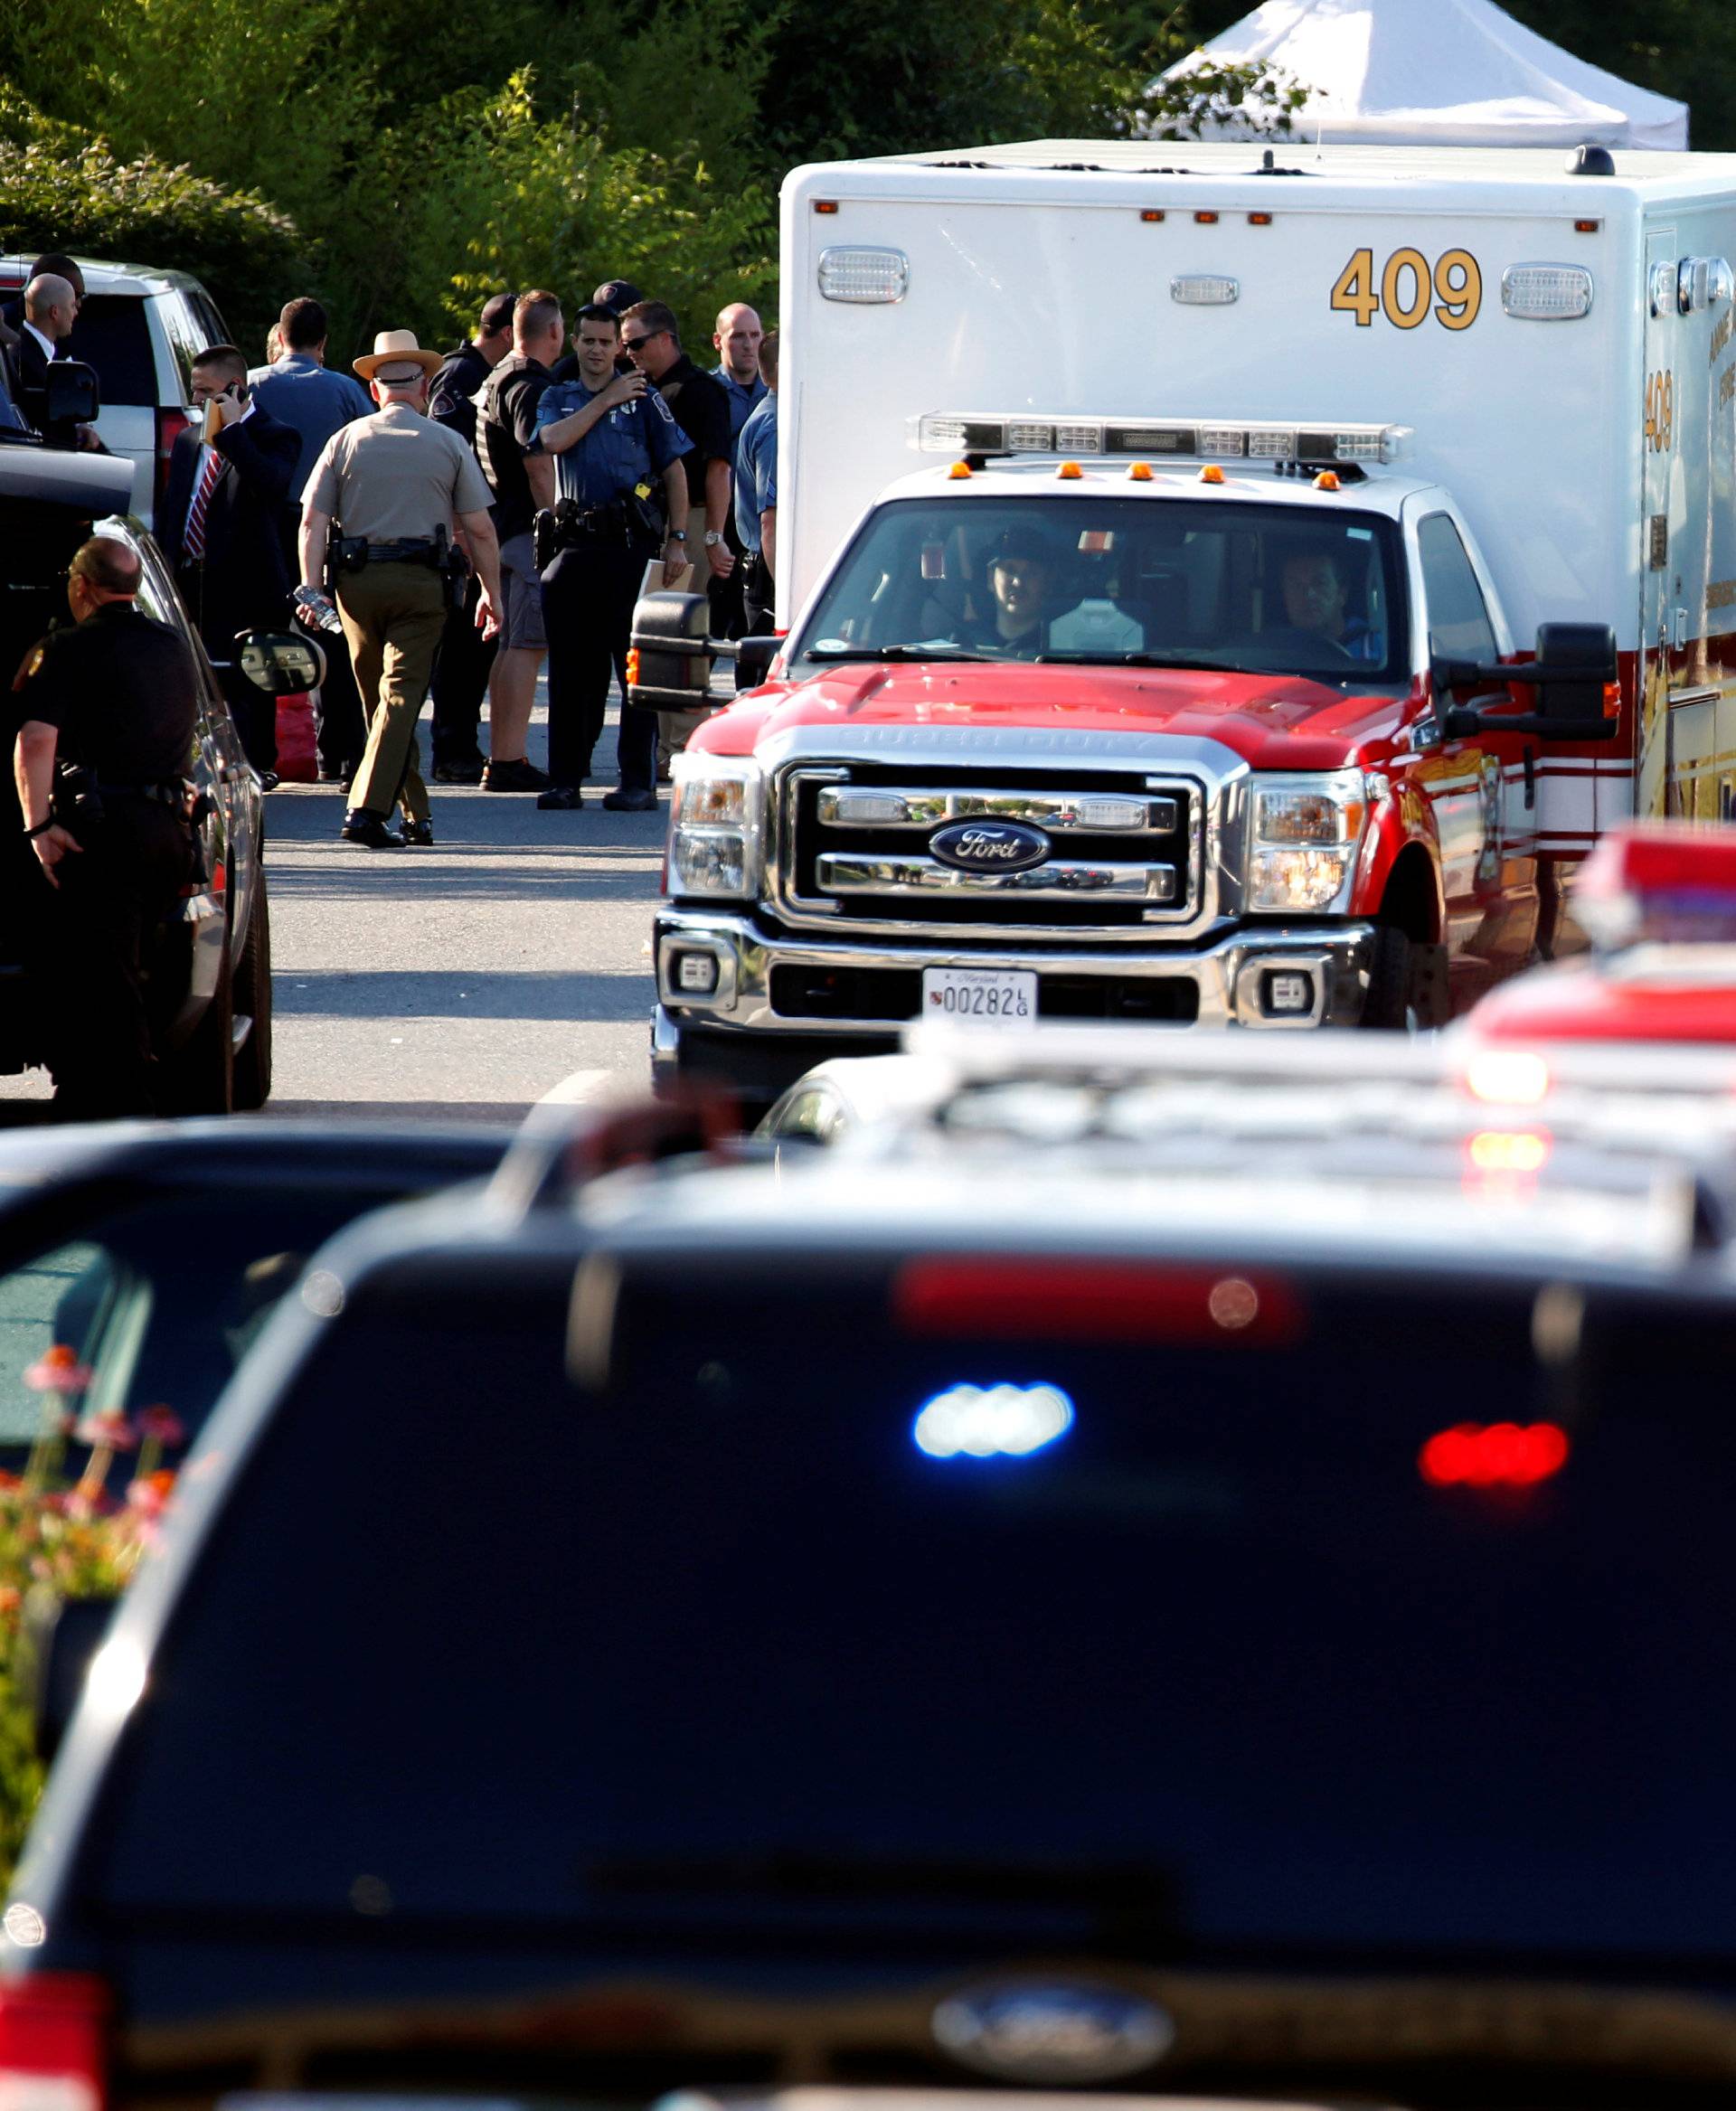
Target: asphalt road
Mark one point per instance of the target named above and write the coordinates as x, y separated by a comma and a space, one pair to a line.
463, 981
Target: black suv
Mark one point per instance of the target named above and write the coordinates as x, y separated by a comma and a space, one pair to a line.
888, 1624
211, 971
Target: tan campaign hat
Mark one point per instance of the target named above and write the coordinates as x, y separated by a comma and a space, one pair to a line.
396, 357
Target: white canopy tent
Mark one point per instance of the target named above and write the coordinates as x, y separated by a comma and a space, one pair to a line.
1439, 73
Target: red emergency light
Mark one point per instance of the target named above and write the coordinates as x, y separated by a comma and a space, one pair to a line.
1663, 880
1496, 1455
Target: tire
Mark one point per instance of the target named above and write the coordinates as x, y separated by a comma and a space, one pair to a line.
199, 1078
1390, 1007
252, 1065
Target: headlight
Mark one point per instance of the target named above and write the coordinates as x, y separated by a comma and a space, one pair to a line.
717, 826
1306, 832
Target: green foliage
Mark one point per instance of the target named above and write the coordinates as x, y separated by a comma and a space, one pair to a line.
62, 188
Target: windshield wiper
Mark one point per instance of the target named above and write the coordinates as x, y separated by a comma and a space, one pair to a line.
1180, 660
936, 650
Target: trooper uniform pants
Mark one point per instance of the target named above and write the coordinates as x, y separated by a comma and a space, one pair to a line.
393, 614
94, 932
588, 597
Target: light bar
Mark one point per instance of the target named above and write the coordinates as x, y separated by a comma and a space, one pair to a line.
1203, 289
864, 277
1546, 293
939, 432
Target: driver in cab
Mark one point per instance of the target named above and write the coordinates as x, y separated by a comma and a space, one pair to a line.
1023, 568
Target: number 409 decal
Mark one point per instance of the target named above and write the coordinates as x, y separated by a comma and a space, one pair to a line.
1409, 287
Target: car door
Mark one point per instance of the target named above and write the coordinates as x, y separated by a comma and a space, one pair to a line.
1481, 790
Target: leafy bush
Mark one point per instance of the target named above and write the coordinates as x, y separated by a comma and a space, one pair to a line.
64, 189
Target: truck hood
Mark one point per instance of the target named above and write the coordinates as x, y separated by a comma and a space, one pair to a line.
1274, 722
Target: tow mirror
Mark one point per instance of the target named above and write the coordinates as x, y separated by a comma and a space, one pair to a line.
670, 666
1575, 673
280, 663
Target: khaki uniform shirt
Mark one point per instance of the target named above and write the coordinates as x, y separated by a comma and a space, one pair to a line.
394, 475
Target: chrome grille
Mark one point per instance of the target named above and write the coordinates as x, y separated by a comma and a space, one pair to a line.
1124, 856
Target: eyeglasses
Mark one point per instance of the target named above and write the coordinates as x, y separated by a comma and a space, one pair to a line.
639, 343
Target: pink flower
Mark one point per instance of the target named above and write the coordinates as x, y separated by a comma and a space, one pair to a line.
110, 1431
58, 1370
162, 1424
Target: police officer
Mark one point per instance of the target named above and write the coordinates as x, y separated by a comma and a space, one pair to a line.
118, 697
614, 442
461, 672
395, 482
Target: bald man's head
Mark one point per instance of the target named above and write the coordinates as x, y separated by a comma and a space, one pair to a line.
51, 305
737, 339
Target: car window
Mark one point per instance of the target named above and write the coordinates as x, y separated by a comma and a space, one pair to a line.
1458, 619
37, 541
113, 333
160, 1301
186, 335
1164, 1616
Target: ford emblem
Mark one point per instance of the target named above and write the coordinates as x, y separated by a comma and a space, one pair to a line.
989, 847
1035, 2031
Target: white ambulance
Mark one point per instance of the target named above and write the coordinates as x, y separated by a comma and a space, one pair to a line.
1293, 447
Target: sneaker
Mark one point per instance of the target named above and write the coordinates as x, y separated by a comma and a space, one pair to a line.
561, 799
625, 802
460, 770
515, 776
419, 832
369, 830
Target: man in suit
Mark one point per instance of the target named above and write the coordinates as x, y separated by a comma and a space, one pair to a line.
219, 526
50, 309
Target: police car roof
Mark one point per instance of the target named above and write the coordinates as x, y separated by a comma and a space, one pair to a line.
1378, 490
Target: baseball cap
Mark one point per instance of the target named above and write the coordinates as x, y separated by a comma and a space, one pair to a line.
620, 294
1030, 540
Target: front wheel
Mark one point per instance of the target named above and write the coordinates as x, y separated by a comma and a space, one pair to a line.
1390, 1007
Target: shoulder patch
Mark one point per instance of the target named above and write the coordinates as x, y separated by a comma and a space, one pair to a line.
29, 667
664, 411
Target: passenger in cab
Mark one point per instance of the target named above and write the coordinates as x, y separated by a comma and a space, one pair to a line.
1315, 593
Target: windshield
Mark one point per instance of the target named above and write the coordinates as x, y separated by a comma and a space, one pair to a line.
1219, 1659
1260, 588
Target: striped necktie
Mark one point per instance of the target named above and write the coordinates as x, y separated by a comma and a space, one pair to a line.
194, 542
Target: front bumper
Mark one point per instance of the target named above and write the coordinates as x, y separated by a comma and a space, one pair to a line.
802, 999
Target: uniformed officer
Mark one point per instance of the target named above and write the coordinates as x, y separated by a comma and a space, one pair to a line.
117, 695
614, 442
395, 483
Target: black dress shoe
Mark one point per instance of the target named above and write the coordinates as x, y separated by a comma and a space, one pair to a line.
625, 802
559, 799
269, 780
369, 830
420, 831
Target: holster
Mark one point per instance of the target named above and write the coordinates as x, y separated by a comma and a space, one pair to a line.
345, 553
75, 802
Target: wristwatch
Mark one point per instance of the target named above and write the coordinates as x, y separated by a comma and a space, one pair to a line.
678, 534
713, 536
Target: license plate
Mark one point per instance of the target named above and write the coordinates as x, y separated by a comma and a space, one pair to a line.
982, 996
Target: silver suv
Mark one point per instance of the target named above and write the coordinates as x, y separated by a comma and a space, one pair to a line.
141, 329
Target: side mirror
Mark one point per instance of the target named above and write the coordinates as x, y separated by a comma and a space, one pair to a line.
1575, 675
63, 1634
753, 658
669, 668
71, 397
280, 663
